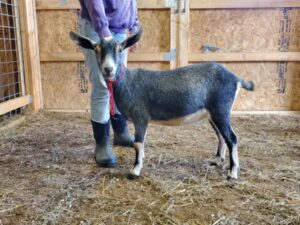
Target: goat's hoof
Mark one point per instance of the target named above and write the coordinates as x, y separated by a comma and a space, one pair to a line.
217, 161
133, 176
231, 178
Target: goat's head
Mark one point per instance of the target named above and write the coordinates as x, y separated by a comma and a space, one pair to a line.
107, 52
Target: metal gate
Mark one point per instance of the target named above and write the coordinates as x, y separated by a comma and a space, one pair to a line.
12, 83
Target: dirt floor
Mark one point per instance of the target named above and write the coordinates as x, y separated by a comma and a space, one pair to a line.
48, 175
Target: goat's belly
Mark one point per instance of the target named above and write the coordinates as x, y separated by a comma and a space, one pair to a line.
189, 119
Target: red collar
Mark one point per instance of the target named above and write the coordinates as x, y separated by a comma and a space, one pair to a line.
111, 91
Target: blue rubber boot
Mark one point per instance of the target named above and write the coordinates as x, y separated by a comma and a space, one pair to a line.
104, 155
121, 133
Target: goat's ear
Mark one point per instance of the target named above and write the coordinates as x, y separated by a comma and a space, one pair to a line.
82, 41
133, 39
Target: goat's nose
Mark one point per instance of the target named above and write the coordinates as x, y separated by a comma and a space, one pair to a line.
108, 70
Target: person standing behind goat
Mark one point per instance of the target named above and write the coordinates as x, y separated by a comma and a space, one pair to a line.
106, 19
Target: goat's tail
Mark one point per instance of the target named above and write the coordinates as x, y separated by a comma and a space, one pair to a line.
248, 85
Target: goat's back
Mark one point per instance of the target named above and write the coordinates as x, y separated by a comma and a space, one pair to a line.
180, 92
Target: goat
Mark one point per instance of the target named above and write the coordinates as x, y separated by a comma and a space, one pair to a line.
175, 97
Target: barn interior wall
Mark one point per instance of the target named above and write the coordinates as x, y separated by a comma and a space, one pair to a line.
66, 87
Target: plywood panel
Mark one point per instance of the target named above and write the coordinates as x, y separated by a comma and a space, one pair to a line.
54, 28
62, 86
54, 33
65, 87
266, 78
294, 32
238, 4
242, 30
74, 4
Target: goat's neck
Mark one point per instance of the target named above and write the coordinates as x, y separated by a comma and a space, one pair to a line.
120, 77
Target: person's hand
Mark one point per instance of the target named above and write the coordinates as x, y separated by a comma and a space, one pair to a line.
108, 38
134, 47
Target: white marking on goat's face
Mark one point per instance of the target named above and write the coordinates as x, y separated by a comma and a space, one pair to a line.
109, 67
189, 119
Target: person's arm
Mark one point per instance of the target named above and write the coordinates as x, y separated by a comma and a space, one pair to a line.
133, 27
98, 17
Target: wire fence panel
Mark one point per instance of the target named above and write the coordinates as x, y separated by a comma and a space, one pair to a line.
11, 60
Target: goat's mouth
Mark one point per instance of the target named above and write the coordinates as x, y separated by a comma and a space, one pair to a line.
109, 77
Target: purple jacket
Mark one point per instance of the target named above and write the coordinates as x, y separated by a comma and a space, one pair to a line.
110, 15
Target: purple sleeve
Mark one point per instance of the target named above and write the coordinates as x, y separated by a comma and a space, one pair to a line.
135, 22
98, 17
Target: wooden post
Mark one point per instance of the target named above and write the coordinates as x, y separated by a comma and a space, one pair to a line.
183, 31
173, 36
31, 52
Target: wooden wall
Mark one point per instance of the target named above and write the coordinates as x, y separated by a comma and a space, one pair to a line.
262, 45
255, 31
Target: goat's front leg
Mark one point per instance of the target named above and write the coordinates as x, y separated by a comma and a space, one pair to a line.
140, 132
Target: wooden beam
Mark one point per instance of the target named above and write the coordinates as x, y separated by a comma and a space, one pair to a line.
234, 113
146, 4
31, 52
241, 4
147, 57
74, 4
183, 32
245, 57
263, 113
15, 103
77, 57
173, 36
201, 57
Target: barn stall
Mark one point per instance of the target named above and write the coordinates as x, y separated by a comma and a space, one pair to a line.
48, 174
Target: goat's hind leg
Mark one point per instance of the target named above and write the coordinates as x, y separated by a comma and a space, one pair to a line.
222, 122
140, 132
220, 156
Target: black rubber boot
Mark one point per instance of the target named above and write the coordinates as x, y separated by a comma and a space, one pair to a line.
121, 134
104, 154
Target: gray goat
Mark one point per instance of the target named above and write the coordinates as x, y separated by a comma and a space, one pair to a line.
175, 97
